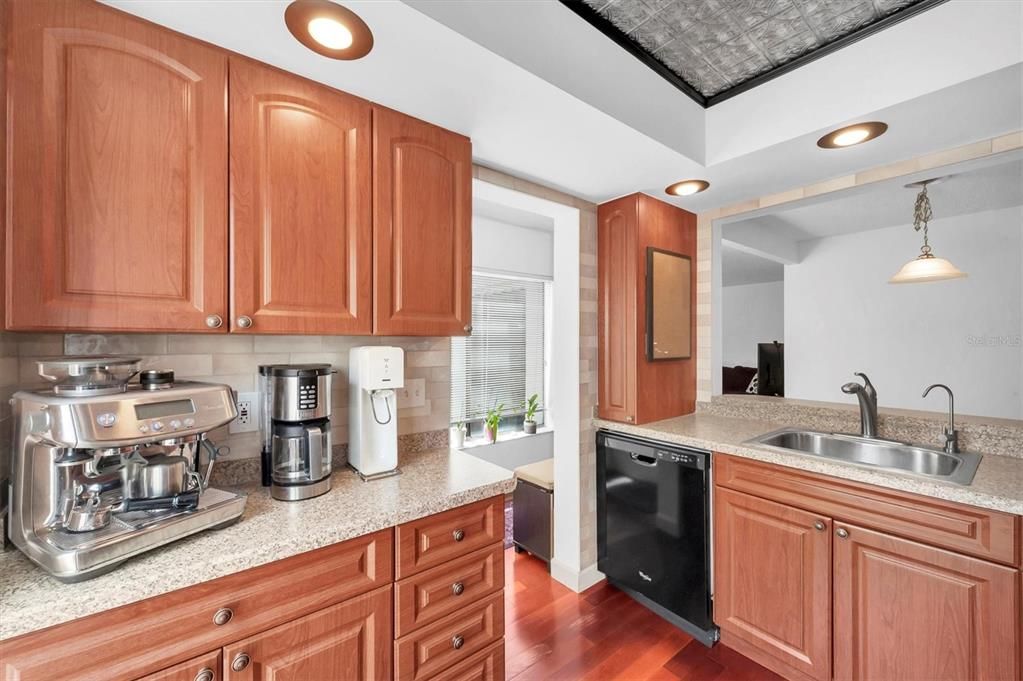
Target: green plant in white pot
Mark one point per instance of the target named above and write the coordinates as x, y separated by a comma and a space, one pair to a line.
457, 435
492, 421
531, 405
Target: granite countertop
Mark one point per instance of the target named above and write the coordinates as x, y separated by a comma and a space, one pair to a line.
269, 530
998, 484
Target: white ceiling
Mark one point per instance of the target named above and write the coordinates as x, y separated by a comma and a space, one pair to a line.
519, 78
889, 204
739, 268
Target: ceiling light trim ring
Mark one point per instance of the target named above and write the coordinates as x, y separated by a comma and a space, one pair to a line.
871, 130
673, 189
301, 13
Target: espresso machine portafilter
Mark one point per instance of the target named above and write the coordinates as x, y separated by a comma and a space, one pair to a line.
295, 404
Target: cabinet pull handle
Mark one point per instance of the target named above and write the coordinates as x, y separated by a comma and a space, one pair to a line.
458, 535
240, 662
819, 526
223, 616
214, 321
842, 532
244, 322
457, 641
457, 588
467, 328
205, 674
628, 419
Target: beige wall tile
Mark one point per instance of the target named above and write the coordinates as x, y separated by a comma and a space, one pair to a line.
1014, 140
245, 364
118, 344
287, 343
197, 344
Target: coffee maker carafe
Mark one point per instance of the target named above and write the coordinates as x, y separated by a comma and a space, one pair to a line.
295, 406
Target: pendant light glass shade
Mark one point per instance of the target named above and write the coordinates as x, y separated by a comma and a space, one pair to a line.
926, 268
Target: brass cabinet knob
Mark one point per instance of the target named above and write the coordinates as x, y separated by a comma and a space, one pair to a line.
205, 674
214, 321
457, 641
842, 532
819, 526
467, 328
457, 588
222, 616
458, 535
244, 322
240, 662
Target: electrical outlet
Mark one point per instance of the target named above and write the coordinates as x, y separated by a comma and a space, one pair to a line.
413, 394
248, 414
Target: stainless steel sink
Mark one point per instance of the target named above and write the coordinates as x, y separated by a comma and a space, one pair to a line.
875, 453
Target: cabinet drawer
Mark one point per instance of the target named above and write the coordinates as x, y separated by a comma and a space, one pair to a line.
203, 668
966, 529
432, 649
150, 635
486, 665
429, 595
439, 538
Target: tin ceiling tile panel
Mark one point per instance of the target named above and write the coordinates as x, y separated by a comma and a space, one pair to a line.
712, 49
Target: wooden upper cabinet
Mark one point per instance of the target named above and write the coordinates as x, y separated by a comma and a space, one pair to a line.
616, 312
350, 641
772, 577
422, 202
301, 169
908, 611
116, 173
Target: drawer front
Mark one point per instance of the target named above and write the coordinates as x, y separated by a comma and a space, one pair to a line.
486, 665
167, 629
449, 641
437, 539
966, 529
439, 591
203, 668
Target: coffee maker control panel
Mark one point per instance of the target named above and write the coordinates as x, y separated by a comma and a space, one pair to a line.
307, 392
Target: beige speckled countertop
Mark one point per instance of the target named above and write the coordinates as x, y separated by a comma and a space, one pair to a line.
270, 530
998, 484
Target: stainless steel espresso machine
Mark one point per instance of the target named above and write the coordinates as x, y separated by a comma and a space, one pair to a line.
295, 422
104, 469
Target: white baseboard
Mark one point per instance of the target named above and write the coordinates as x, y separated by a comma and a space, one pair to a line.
577, 581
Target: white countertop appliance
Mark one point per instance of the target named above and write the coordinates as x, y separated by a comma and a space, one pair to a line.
103, 469
374, 374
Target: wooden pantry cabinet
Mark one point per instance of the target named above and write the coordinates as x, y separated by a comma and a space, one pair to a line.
821, 578
160, 184
331, 613
626, 229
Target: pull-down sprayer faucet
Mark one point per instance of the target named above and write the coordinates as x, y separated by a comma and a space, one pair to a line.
868, 404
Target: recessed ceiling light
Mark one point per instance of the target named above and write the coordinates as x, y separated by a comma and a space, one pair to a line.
852, 134
329, 29
687, 187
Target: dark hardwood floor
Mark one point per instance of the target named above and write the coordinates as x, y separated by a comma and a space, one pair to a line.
552, 632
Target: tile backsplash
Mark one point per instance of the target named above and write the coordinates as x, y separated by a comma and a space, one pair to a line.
234, 360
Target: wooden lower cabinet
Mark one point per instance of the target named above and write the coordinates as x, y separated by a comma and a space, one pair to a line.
810, 595
202, 668
908, 611
349, 641
772, 576
486, 665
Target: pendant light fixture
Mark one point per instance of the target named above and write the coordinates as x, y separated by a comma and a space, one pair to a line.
926, 266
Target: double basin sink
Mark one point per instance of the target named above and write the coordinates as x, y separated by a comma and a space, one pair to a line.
901, 457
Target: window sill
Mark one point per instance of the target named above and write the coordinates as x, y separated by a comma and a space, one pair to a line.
505, 437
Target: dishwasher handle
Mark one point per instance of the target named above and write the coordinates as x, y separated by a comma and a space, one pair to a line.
643, 460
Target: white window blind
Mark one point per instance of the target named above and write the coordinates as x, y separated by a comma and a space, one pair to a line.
502, 362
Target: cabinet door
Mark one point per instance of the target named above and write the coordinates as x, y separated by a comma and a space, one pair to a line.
912, 612
350, 640
422, 199
203, 668
301, 228
616, 309
772, 582
116, 173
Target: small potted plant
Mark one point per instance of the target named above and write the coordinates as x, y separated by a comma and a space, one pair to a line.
531, 405
457, 435
491, 421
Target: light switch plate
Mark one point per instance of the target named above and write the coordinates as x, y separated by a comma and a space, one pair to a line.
413, 394
248, 414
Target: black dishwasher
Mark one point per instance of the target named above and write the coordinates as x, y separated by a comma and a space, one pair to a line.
653, 527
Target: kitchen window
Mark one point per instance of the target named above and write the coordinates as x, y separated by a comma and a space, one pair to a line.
504, 361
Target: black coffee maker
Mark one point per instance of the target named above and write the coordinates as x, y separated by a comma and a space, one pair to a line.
295, 406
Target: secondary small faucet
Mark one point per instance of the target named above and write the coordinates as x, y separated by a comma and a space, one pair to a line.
868, 404
950, 432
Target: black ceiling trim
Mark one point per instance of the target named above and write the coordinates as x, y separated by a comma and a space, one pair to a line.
595, 19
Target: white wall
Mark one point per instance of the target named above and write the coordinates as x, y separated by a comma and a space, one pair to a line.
752, 313
842, 316
506, 248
